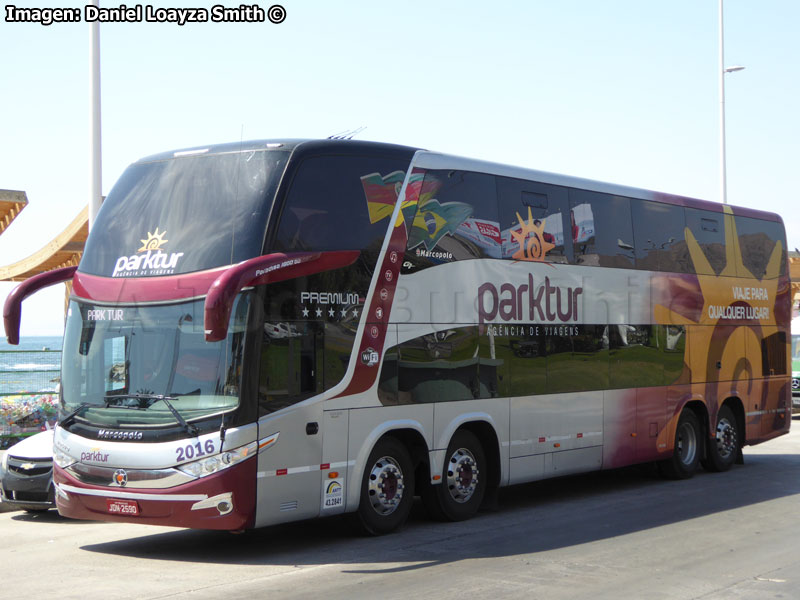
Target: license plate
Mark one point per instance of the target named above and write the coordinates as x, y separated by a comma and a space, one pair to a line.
122, 507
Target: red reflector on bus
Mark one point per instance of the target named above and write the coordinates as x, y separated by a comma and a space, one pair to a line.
281, 471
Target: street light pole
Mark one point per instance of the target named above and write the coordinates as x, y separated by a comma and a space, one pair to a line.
95, 169
722, 71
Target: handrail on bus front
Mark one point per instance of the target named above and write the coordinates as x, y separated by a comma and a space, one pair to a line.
12, 309
269, 268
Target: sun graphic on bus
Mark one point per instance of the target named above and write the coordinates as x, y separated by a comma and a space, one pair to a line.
537, 246
726, 337
154, 241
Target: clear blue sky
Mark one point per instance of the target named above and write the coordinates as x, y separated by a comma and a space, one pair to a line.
622, 90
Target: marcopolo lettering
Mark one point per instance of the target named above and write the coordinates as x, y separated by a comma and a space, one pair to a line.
545, 303
116, 434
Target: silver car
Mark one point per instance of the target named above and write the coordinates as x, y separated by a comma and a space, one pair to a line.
26, 474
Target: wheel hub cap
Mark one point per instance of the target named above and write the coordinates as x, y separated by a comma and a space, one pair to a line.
385, 486
462, 475
726, 438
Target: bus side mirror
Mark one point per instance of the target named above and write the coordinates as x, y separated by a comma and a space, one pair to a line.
12, 310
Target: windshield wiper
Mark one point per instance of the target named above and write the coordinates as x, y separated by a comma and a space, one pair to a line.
190, 429
71, 416
146, 401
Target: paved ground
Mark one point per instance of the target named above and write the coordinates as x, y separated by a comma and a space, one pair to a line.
625, 534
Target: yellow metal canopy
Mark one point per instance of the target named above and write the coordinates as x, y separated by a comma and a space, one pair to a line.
11, 204
64, 250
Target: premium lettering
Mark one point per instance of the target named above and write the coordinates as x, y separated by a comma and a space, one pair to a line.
329, 297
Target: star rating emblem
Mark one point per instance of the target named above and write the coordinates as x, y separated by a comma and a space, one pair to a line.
319, 312
344, 312
355, 312
331, 312
305, 311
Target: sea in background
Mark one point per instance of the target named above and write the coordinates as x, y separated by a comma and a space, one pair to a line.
34, 365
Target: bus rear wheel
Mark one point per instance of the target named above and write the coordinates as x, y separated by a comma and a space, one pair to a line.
724, 448
463, 482
687, 448
387, 488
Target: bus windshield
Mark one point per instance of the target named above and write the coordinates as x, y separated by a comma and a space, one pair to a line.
184, 214
121, 363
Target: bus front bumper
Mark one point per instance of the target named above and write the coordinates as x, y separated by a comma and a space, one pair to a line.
225, 501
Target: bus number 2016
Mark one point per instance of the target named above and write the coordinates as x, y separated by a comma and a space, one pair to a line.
195, 450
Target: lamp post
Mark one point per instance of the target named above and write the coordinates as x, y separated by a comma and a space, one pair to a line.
95, 169
722, 71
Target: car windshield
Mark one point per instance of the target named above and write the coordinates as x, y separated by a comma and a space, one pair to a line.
120, 363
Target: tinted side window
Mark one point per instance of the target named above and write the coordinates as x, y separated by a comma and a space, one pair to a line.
515, 358
339, 203
645, 355
659, 232
576, 359
757, 240
439, 367
708, 229
602, 233
291, 364
533, 218
456, 215
773, 354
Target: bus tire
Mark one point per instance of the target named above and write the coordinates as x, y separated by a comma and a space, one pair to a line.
724, 447
687, 450
464, 480
387, 488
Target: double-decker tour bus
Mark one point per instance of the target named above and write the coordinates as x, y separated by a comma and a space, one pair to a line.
279, 330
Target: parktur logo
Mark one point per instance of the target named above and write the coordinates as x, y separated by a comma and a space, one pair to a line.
154, 262
154, 241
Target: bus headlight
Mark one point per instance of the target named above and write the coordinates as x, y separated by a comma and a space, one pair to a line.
62, 459
219, 462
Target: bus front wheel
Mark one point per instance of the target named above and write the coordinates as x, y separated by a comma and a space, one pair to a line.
463, 480
724, 448
387, 488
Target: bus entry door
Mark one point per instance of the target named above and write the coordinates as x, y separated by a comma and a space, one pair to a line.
289, 463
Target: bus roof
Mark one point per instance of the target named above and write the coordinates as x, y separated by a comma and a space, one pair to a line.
306, 145
435, 160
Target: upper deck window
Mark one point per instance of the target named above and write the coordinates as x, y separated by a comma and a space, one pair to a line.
602, 234
660, 244
533, 220
340, 203
758, 240
456, 218
184, 214
708, 229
